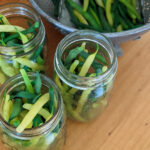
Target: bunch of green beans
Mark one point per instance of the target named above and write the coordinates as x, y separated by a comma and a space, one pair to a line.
84, 105
12, 41
22, 102
29, 106
104, 15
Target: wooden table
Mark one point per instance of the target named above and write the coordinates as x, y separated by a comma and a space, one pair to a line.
125, 124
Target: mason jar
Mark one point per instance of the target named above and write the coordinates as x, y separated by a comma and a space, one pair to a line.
31, 55
48, 136
85, 97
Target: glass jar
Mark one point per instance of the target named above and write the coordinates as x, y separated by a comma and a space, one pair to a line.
85, 97
48, 136
30, 55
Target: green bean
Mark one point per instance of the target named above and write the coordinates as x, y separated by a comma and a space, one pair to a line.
7, 106
139, 25
95, 16
23, 37
26, 68
122, 12
51, 102
104, 69
16, 65
27, 81
85, 5
80, 17
119, 28
23, 94
72, 54
2, 38
127, 11
101, 59
70, 10
29, 25
108, 12
38, 83
104, 2
40, 60
114, 5
84, 26
1, 19
131, 8
43, 112
16, 123
90, 19
130, 24
93, 6
76, 22
100, 3
29, 30
104, 22
95, 64
33, 112
29, 63
37, 121
2, 43
67, 100
131, 14
123, 23
133, 2
58, 82
81, 64
116, 18
74, 66
4, 20
10, 28
114, 12
14, 42
7, 69
85, 68
16, 109
87, 64
105, 14
83, 99
34, 99
2, 78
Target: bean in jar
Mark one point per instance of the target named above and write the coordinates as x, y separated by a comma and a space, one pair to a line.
85, 66
22, 41
31, 113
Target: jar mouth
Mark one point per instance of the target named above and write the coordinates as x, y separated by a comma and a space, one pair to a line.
80, 81
24, 11
43, 129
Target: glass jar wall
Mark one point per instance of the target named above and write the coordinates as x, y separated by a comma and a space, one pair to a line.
48, 136
22, 42
85, 96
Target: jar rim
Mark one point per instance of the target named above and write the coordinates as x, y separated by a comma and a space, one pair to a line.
45, 127
80, 81
35, 41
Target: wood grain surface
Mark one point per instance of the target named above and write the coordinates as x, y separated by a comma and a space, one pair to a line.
125, 124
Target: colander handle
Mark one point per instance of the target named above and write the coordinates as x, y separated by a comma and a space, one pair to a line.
118, 49
116, 43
